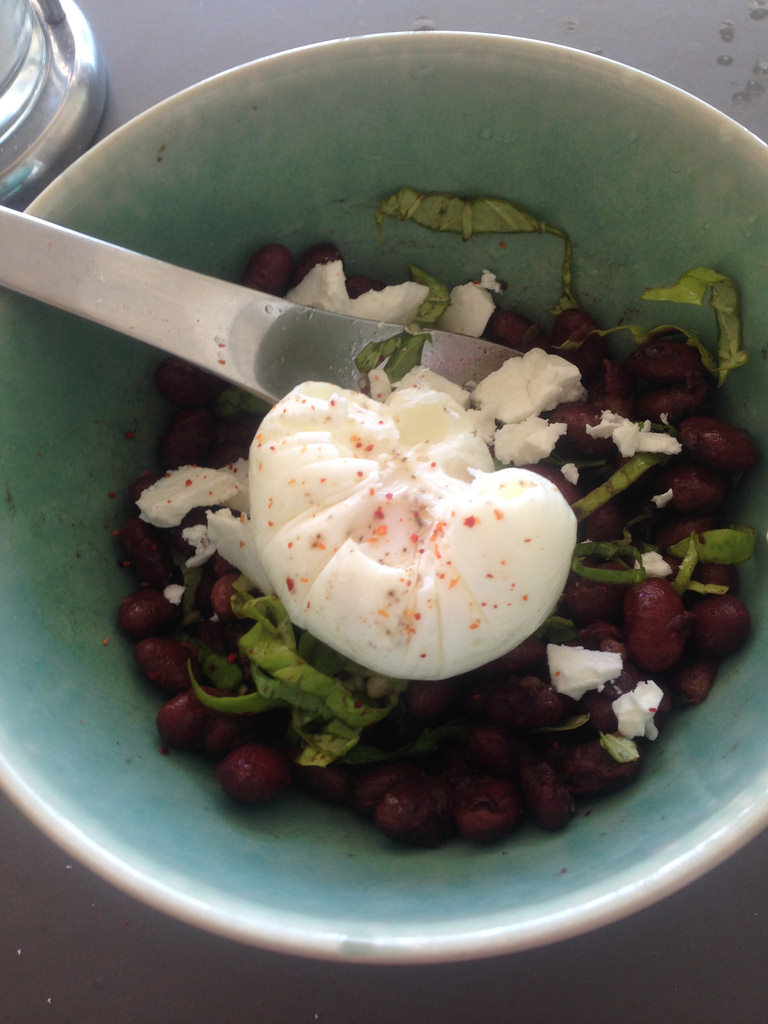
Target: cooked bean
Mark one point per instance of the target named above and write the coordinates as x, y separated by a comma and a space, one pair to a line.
656, 624
571, 492
181, 721
417, 812
576, 325
588, 600
428, 698
323, 252
577, 416
372, 783
183, 384
486, 809
253, 773
602, 636
138, 487
526, 702
722, 625
189, 439
614, 389
146, 551
679, 527
666, 361
221, 595
506, 327
696, 489
528, 656
717, 574
145, 612
166, 662
692, 680
605, 523
675, 401
572, 325
492, 748
548, 798
331, 782
269, 269
359, 284
222, 734
195, 517
719, 445
588, 770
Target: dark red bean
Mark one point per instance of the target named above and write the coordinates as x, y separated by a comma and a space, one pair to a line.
572, 325
427, 699
719, 445
145, 612
577, 416
417, 812
576, 325
696, 489
548, 798
680, 527
529, 656
323, 252
331, 782
189, 439
222, 734
571, 492
722, 625
675, 402
602, 636
371, 784
166, 662
195, 517
221, 595
526, 702
666, 361
269, 269
588, 770
692, 680
237, 430
486, 809
492, 748
588, 600
359, 284
506, 327
181, 721
719, 575
137, 488
253, 773
146, 551
605, 523
614, 389
183, 384
656, 624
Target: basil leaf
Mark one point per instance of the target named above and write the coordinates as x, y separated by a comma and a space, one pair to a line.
692, 287
440, 211
402, 353
619, 747
436, 302
727, 546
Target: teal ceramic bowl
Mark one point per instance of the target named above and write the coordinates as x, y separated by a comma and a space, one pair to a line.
300, 147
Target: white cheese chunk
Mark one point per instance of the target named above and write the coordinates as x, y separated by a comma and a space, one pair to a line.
387, 535
526, 387
230, 535
526, 443
660, 500
571, 472
469, 310
631, 438
574, 671
378, 382
422, 377
174, 593
655, 564
324, 287
635, 710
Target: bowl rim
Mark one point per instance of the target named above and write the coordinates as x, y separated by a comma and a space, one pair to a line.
718, 837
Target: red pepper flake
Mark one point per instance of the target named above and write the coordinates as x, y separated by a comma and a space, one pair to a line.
369, 447
525, 597
383, 613
111, 494
379, 513
105, 641
417, 615
231, 658
187, 483
289, 583
381, 530
527, 540
359, 472
453, 582
475, 624
498, 513
130, 434
414, 538
470, 521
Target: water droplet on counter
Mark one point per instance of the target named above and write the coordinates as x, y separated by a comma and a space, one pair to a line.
758, 9
725, 60
727, 31
754, 88
760, 67
570, 24
423, 24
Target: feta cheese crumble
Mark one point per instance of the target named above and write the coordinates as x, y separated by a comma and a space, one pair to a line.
631, 438
574, 671
525, 387
635, 710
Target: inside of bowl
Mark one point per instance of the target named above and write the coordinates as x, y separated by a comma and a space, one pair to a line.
300, 148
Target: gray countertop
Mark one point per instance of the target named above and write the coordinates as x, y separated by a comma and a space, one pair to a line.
72, 949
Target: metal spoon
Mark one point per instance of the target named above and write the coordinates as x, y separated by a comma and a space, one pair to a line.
256, 341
